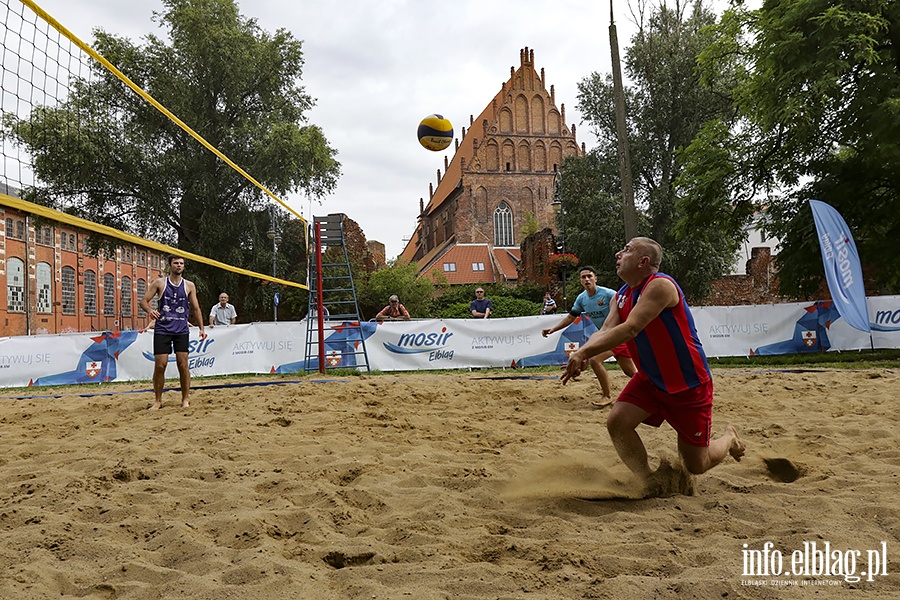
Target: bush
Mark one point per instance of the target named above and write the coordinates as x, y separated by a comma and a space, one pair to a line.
456, 310
415, 292
503, 306
447, 306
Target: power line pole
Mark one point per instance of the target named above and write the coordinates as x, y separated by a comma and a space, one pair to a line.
629, 212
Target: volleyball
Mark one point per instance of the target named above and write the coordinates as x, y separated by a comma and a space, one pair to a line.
435, 132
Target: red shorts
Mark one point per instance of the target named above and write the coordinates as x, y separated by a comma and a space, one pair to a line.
622, 350
688, 412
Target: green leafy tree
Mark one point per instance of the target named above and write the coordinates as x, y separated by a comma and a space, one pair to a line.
415, 293
816, 115
107, 155
668, 105
293, 264
590, 219
531, 225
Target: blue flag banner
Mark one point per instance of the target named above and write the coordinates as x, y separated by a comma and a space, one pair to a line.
842, 267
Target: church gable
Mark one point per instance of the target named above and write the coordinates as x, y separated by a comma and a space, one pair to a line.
525, 120
506, 161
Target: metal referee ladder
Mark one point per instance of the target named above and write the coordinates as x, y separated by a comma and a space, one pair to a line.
331, 286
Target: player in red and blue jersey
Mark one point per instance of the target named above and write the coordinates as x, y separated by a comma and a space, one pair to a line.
673, 382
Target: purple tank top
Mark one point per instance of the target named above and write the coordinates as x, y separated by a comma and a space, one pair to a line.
173, 310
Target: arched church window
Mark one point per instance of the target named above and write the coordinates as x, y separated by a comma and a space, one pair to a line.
503, 225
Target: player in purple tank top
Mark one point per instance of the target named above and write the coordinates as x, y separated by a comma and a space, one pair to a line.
177, 298
673, 382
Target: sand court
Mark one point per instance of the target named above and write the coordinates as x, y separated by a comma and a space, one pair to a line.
450, 485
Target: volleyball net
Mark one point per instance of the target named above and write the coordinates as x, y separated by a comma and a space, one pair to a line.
43, 66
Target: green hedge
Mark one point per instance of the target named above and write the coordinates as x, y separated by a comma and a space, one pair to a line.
503, 306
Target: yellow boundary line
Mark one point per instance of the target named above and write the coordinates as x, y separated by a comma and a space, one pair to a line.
55, 215
93, 53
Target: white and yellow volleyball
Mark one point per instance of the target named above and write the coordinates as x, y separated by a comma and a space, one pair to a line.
435, 133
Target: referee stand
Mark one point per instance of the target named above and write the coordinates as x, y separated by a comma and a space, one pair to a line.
331, 286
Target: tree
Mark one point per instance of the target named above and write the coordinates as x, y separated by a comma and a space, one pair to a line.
107, 155
530, 226
590, 220
415, 292
668, 106
258, 296
817, 116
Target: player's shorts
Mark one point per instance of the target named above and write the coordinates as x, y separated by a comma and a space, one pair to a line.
688, 412
622, 350
163, 343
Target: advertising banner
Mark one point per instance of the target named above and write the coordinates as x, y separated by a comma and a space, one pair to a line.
252, 348
843, 270
58, 359
428, 344
470, 343
794, 328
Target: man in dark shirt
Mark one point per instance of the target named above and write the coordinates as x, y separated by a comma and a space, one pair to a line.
480, 307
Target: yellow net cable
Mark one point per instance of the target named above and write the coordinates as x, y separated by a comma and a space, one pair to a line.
55, 215
91, 52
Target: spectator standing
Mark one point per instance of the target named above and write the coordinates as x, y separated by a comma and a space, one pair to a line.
549, 306
481, 307
222, 313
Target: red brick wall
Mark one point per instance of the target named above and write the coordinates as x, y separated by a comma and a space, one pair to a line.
758, 286
523, 141
534, 267
129, 261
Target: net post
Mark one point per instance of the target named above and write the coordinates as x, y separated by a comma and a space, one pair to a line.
320, 306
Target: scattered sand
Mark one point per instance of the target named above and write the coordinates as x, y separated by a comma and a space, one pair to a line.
444, 486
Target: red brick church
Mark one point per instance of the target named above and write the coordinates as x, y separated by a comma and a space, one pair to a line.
502, 175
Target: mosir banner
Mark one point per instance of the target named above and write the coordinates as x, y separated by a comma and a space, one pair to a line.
425, 345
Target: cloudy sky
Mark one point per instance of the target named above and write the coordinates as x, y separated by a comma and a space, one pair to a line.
377, 68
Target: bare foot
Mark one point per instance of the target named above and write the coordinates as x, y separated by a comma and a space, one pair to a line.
185, 404
602, 403
738, 447
155, 406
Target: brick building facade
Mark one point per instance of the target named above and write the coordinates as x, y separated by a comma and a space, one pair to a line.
53, 285
502, 172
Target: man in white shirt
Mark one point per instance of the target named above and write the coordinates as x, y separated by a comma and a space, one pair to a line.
222, 313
